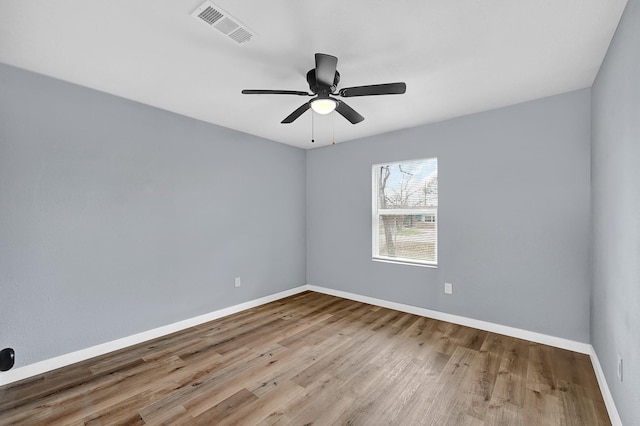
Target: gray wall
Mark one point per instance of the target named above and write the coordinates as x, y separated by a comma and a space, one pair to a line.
615, 309
116, 217
513, 210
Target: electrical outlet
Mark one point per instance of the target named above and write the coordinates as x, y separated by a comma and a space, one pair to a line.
619, 367
448, 288
238, 282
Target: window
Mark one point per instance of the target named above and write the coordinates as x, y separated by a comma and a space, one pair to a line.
405, 211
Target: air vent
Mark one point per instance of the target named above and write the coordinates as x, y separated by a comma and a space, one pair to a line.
216, 17
210, 15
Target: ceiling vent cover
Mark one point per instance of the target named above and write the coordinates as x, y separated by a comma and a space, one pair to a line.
216, 17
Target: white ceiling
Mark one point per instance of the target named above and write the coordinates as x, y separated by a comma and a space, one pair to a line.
456, 57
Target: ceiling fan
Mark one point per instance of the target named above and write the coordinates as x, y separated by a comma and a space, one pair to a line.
323, 80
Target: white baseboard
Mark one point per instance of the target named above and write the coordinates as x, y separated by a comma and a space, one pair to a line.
604, 389
114, 345
532, 336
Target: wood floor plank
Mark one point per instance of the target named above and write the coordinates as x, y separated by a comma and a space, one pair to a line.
486, 366
317, 359
225, 408
390, 392
451, 390
291, 363
264, 406
224, 386
172, 416
206, 390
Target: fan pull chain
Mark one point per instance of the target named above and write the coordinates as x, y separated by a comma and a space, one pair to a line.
312, 140
333, 134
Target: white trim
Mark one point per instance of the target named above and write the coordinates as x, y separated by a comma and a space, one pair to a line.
403, 261
375, 219
409, 212
114, 345
604, 389
532, 336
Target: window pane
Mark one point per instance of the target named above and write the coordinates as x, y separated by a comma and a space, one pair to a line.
408, 185
409, 237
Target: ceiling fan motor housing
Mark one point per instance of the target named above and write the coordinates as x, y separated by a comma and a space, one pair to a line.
319, 89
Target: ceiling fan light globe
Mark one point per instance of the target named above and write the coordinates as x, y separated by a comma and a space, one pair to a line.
323, 106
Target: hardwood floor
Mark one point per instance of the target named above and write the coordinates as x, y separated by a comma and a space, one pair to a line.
317, 359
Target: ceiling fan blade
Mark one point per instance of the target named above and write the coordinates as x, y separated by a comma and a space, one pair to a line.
325, 69
349, 113
374, 89
274, 92
297, 113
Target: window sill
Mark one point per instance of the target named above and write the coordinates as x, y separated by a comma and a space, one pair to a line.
404, 262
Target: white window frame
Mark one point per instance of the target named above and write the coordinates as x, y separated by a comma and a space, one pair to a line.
375, 215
